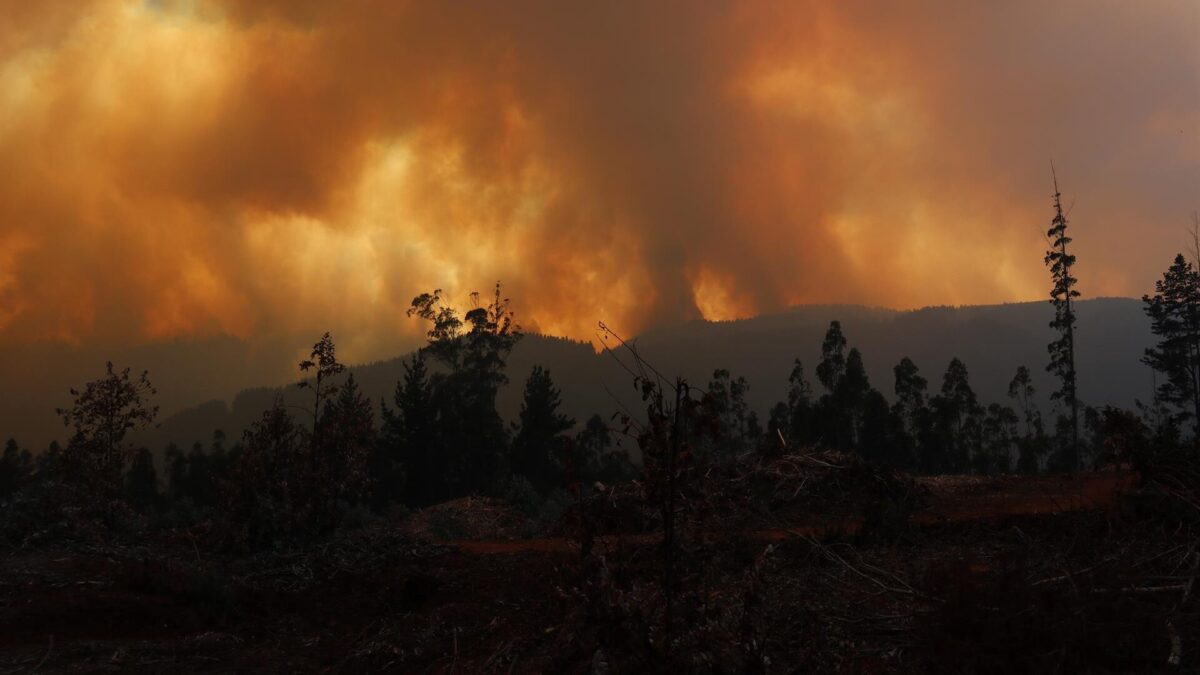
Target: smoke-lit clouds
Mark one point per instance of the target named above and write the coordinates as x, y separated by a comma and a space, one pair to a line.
193, 168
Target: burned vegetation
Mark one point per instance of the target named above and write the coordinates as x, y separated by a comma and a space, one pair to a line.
849, 533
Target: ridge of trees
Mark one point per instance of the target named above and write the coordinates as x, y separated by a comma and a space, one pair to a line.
440, 436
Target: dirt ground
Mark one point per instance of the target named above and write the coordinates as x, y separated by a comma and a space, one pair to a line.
950, 499
384, 600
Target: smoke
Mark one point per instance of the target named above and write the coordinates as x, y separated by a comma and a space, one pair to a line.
173, 169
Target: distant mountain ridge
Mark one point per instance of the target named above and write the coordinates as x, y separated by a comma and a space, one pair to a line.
993, 340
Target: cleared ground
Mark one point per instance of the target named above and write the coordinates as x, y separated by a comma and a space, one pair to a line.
382, 599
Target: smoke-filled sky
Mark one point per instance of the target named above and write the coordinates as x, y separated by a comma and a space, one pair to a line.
197, 168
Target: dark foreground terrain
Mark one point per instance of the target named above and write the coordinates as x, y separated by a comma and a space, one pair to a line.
1047, 574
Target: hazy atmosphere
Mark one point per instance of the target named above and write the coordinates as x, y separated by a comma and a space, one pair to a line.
201, 168
555, 336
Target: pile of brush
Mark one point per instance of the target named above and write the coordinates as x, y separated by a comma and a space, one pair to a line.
750, 491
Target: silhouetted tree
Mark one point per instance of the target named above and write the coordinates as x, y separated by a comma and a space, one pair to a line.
833, 357
672, 426
999, 437
597, 458
725, 401
141, 482
482, 349
324, 361
1174, 312
340, 467
592, 441
911, 391
792, 419
265, 492
910, 411
194, 479
176, 463
957, 410
48, 466
1162, 424
838, 407
1062, 350
102, 414
1031, 445
838, 415
850, 399
540, 442
1093, 451
312, 481
881, 438
1127, 436
1021, 391
16, 468
415, 463
471, 435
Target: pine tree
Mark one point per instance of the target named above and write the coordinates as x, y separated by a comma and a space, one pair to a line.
420, 441
409, 465
540, 439
1174, 312
340, 469
1062, 350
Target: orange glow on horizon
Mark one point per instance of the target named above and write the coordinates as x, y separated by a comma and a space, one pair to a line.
201, 167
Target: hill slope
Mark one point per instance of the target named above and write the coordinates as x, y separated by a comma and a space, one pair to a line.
991, 340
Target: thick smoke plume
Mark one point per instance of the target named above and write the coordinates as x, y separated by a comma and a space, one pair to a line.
251, 168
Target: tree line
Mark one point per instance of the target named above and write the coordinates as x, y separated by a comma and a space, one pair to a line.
304, 469
307, 468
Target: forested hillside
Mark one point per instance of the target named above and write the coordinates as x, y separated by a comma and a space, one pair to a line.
991, 340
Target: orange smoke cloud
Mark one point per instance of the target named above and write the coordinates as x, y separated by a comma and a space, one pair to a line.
203, 167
